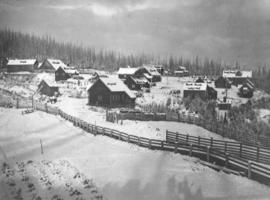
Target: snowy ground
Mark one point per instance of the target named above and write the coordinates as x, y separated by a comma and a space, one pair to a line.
150, 129
119, 170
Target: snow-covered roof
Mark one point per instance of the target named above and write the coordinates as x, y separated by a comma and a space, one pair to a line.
21, 62
237, 74
50, 83
152, 70
71, 71
127, 70
116, 85
195, 86
147, 76
57, 63
140, 80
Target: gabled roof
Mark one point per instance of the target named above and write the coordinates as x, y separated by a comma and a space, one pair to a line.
237, 74
140, 80
127, 71
115, 85
21, 62
195, 86
50, 83
57, 63
151, 70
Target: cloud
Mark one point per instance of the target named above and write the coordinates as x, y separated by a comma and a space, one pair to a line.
227, 29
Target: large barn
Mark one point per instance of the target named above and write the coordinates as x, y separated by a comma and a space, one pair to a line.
110, 92
48, 88
52, 65
202, 90
237, 77
21, 65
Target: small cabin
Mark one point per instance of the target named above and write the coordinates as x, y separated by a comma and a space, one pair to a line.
136, 83
48, 88
181, 71
202, 90
222, 82
22, 65
65, 73
246, 90
110, 92
199, 80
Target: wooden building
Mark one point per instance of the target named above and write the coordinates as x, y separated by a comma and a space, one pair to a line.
181, 71
48, 88
199, 80
136, 83
222, 82
51, 65
65, 73
237, 77
123, 73
22, 65
202, 90
153, 74
160, 69
110, 92
246, 90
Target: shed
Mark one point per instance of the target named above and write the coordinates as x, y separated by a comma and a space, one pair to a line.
48, 88
136, 83
199, 80
222, 82
65, 73
181, 71
110, 92
201, 90
22, 65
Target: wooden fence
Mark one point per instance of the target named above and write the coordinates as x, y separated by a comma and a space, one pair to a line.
236, 149
240, 166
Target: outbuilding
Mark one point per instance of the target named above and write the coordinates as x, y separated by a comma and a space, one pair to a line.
123, 73
246, 90
237, 77
110, 92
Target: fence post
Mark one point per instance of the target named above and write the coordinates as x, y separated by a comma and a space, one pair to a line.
226, 159
150, 144
41, 147
258, 154
199, 140
190, 149
249, 169
211, 142
187, 138
208, 154
128, 139
175, 147
177, 136
103, 131
139, 141
162, 145
240, 152
17, 103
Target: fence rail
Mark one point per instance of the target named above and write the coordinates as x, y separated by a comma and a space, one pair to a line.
204, 152
243, 151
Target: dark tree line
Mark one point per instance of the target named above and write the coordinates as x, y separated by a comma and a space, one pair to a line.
15, 44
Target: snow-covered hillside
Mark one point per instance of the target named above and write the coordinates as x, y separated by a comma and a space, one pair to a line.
119, 170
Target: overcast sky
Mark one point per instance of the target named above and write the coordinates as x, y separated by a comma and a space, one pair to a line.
220, 29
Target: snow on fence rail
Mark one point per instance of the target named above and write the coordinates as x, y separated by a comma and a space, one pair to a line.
247, 152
